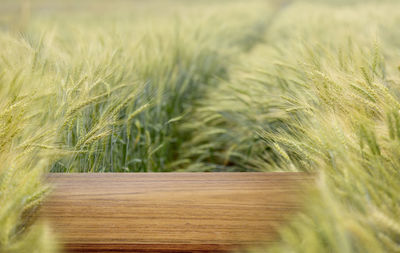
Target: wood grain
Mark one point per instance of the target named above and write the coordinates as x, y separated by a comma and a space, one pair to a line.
169, 212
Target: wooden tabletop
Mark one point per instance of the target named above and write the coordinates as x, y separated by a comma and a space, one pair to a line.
169, 212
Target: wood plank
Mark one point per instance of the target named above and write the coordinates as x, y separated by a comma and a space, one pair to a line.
169, 212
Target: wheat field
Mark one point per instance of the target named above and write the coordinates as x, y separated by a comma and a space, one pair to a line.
225, 85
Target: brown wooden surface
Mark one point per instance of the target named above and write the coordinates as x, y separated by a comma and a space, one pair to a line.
169, 212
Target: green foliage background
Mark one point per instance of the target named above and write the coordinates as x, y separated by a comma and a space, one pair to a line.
159, 86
